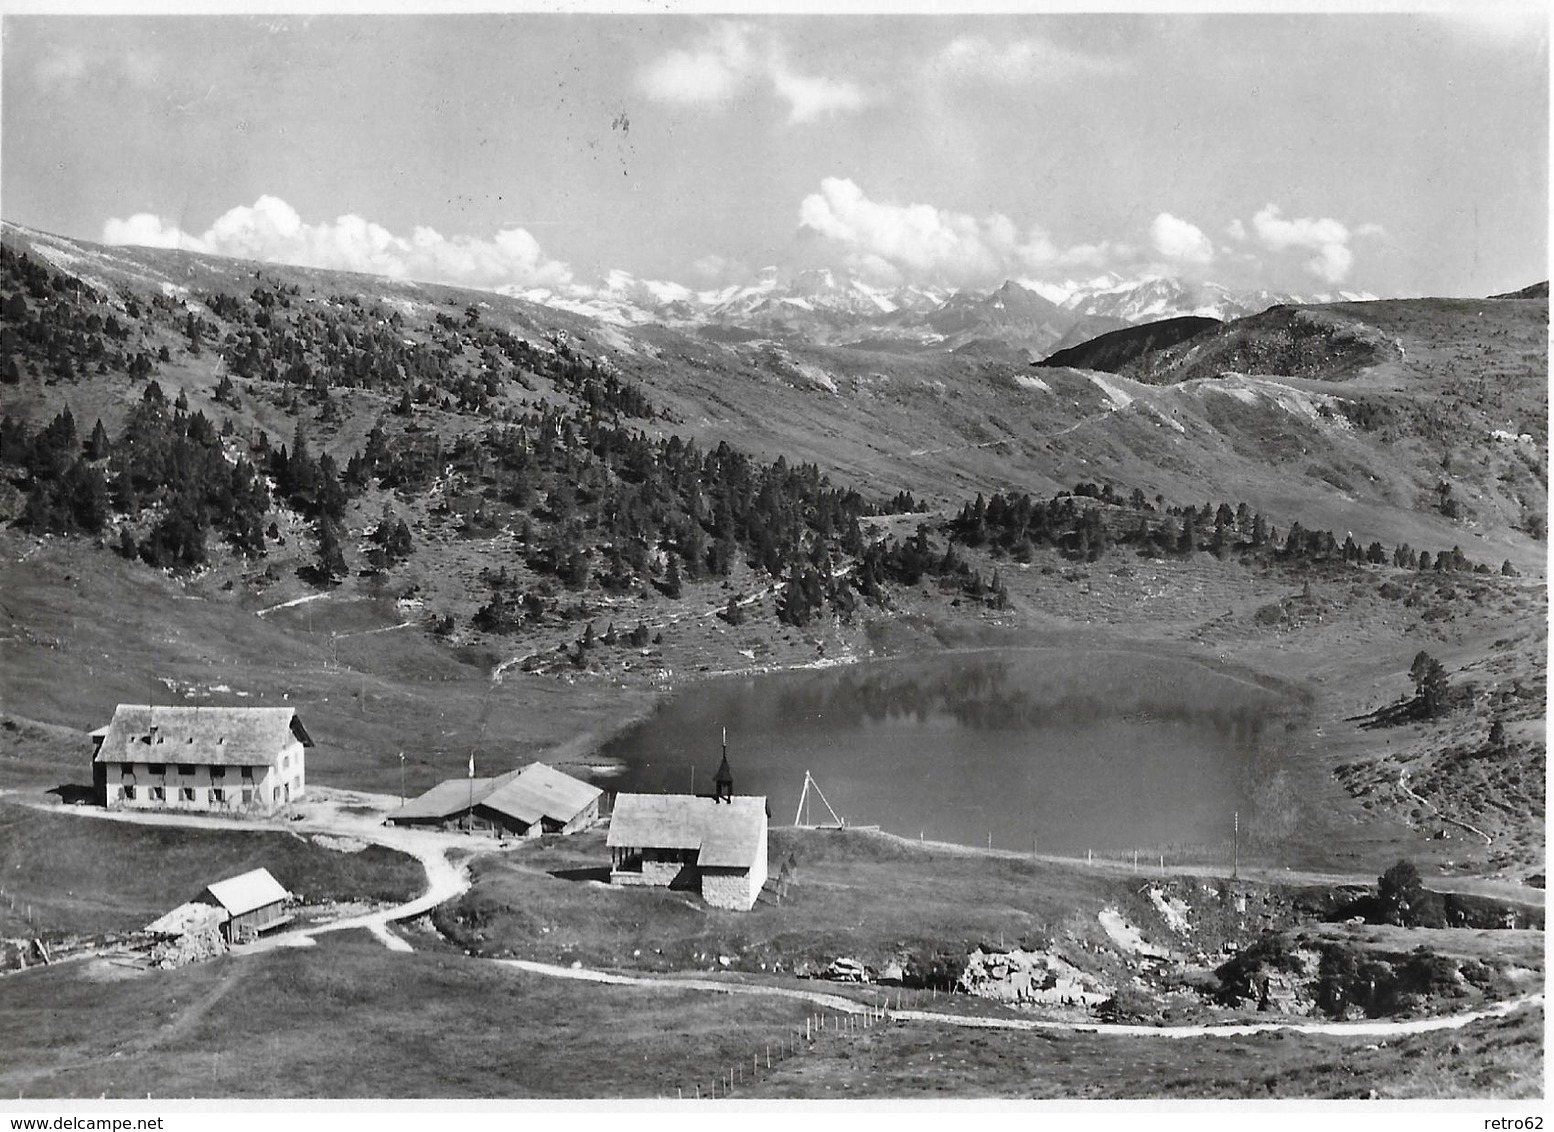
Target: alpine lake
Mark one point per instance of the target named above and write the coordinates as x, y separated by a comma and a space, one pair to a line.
1034, 749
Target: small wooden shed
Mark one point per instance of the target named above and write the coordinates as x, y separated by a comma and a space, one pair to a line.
254, 902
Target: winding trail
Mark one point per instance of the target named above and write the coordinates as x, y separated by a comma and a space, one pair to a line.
288, 604
328, 812
843, 1005
1434, 809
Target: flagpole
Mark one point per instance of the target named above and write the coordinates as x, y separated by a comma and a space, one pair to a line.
471, 819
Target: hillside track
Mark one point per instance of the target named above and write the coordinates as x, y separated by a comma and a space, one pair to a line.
843, 1005
447, 880
325, 813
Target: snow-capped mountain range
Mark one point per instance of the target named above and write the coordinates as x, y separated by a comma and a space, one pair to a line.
832, 308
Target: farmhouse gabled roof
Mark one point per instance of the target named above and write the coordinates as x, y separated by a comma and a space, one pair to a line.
528, 794
539, 791
247, 891
725, 834
446, 798
199, 736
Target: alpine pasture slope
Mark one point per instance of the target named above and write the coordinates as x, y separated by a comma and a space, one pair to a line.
474, 523
1402, 422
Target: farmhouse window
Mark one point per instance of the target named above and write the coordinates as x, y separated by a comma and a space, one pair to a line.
217, 794
186, 794
129, 793
187, 770
248, 797
248, 773
158, 794
218, 772
275, 794
156, 768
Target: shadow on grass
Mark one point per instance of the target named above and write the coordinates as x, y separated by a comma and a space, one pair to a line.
1392, 715
599, 873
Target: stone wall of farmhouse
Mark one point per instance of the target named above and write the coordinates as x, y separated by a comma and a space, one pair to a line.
733, 888
665, 873
657, 874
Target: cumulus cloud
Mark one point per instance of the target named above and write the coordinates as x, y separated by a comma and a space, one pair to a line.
1180, 241
710, 72
735, 58
891, 241
973, 58
1327, 238
813, 97
271, 230
1236, 230
148, 231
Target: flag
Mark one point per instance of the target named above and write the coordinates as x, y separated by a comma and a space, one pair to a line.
472, 764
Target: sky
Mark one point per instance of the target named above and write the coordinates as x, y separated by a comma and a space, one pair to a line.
1398, 154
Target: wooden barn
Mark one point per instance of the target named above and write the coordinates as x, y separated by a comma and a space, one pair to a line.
254, 902
522, 803
222, 759
713, 845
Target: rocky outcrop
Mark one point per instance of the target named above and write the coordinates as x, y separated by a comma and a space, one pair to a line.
1029, 976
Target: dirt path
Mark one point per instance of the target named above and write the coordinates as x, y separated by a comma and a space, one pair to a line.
1367, 1029
839, 1003
288, 604
1434, 809
1264, 874
326, 812
842, 1005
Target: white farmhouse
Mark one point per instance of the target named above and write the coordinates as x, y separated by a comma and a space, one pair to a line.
222, 759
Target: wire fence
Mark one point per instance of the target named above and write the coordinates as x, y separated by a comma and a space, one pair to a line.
742, 1075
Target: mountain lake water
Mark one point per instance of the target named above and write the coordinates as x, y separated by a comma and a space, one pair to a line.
1067, 750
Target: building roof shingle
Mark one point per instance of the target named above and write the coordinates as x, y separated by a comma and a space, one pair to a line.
247, 891
726, 834
528, 794
539, 791
445, 799
199, 736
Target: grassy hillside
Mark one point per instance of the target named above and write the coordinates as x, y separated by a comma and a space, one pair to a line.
74, 875
441, 522
592, 514
1500, 1059
1113, 351
348, 1019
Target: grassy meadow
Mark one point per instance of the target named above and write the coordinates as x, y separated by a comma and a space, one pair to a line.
76, 874
349, 1019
